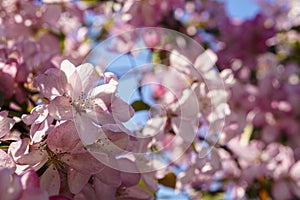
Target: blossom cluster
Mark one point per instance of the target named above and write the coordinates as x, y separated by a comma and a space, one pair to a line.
222, 121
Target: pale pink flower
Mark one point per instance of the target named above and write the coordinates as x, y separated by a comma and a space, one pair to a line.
63, 148
27, 156
40, 122
71, 93
67, 147
5, 123
194, 66
123, 39
180, 116
286, 175
113, 184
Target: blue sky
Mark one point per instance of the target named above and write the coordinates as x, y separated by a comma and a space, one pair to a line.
243, 9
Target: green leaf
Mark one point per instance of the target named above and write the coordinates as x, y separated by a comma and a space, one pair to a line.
140, 105
169, 180
213, 196
142, 185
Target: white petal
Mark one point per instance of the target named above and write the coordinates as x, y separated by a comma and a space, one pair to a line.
87, 130
154, 126
188, 105
68, 68
205, 61
88, 76
184, 129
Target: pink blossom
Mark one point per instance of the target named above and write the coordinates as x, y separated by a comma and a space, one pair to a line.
152, 12
151, 38
5, 123
40, 122
67, 93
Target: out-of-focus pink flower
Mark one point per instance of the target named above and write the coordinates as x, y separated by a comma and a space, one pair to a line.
152, 12
164, 83
123, 39
194, 66
181, 116
253, 44
152, 38
287, 184
13, 75
11, 187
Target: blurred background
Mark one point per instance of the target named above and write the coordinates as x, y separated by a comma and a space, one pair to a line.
252, 45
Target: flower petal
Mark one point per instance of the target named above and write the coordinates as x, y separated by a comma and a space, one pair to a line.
184, 129
295, 172
87, 193
134, 193
60, 108
110, 177
6, 161
32, 158
128, 179
30, 180
51, 84
205, 61
149, 180
188, 105
76, 180
50, 180
10, 187
87, 76
104, 92
87, 129
84, 163
39, 131
63, 138
154, 126
120, 110
17, 149
5, 123
68, 68
104, 191
34, 194
281, 190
